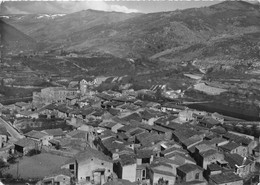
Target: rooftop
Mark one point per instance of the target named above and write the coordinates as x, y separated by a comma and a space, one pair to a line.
35, 134
229, 146
235, 159
225, 178
24, 142
89, 153
54, 132
186, 168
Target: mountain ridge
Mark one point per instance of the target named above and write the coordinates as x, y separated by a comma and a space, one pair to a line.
144, 35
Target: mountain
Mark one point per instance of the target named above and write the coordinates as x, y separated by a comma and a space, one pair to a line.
169, 36
15, 41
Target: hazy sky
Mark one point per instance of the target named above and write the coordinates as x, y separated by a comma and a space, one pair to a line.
158, 6
127, 6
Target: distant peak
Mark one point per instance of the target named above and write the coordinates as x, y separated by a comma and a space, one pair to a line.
231, 4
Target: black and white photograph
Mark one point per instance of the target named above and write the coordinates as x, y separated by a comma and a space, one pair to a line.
130, 92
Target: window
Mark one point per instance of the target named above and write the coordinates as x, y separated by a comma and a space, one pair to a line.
71, 167
88, 178
197, 176
143, 174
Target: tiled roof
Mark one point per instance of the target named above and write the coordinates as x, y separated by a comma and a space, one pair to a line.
217, 140
209, 152
167, 173
126, 128
113, 112
90, 153
77, 134
136, 131
24, 142
144, 153
186, 168
35, 134
236, 159
54, 132
160, 129
243, 140
193, 140
218, 130
229, 146
146, 115
150, 139
173, 150
133, 116
214, 167
225, 178
183, 134
127, 159
3, 130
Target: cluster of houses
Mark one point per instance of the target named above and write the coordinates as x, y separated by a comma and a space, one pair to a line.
115, 138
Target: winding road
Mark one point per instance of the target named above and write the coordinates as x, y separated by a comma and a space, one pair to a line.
11, 130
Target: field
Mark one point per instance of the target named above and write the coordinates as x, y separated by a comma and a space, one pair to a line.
37, 166
208, 89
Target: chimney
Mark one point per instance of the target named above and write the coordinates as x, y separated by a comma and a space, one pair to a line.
151, 159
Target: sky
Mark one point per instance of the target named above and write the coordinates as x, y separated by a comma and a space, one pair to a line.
126, 6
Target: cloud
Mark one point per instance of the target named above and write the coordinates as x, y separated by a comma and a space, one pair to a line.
100, 5
118, 8
67, 6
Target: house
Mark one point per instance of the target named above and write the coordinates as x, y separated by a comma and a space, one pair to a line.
172, 107
172, 150
247, 142
225, 179
234, 148
56, 94
218, 141
24, 145
218, 117
148, 118
241, 165
205, 155
77, 134
189, 172
71, 100
142, 173
3, 136
185, 116
161, 172
113, 126
213, 169
39, 136
125, 167
209, 122
144, 156
192, 141
90, 166
162, 130
61, 177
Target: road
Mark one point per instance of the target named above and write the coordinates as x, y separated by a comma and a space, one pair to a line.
11, 130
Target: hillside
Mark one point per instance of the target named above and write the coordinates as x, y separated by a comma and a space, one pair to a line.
14, 40
156, 35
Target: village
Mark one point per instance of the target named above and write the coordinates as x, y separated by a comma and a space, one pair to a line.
76, 135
